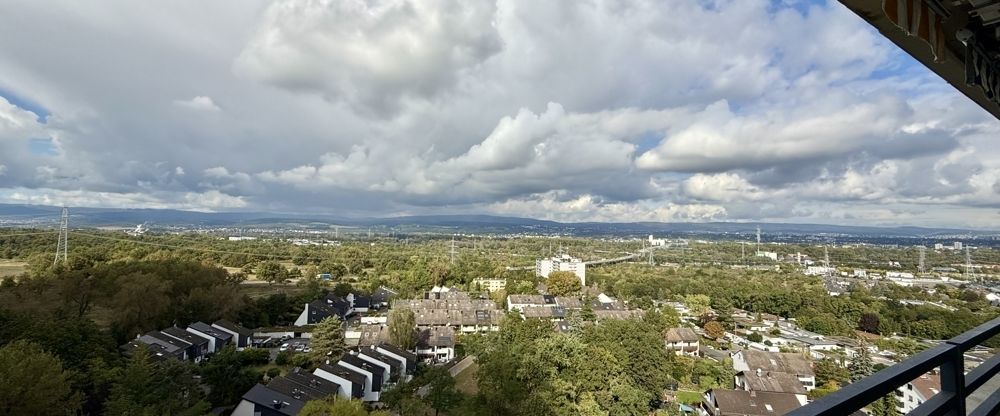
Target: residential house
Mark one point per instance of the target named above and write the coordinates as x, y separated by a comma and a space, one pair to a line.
373, 375
436, 344
766, 381
750, 361
198, 344
351, 384
320, 309
917, 392
721, 402
519, 302
408, 359
555, 313
217, 339
261, 400
683, 341
382, 297
285, 395
241, 336
395, 369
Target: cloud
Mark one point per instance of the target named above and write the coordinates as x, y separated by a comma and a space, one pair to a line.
369, 54
199, 103
598, 110
204, 201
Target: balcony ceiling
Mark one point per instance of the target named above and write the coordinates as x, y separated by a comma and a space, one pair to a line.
957, 29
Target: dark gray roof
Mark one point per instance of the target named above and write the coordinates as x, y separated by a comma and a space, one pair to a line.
356, 379
164, 338
321, 386
274, 402
395, 364
188, 337
411, 358
383, 295
739, 402
209, 330
233, 327
367, 366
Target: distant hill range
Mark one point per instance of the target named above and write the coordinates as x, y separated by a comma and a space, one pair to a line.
40, 215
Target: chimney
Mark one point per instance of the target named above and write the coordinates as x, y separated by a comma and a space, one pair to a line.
276, 404
758, 372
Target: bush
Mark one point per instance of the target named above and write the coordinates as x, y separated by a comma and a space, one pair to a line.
273, 372
255, 356
300, 360
283, 358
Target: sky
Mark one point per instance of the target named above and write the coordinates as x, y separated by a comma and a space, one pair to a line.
593, 110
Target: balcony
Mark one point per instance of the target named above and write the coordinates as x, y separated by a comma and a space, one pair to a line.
956, 386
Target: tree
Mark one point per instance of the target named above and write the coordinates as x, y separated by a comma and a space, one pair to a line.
342, 289
861, 366
562, 283
327, 342
869, 322
33, 382
755, 337
698, 304
830, 371
272, 272
441, 394
337, 407
714, 330
228, 375
144, 388
402, 328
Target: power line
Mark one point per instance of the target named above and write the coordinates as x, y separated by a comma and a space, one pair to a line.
24, 234
206, 250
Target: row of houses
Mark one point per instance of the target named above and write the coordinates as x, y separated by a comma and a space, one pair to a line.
193, 343
434, 344
556, 308
361, 373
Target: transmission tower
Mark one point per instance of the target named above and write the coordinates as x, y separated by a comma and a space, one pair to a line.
970, 274
923, 257
651, 262
62, 246
452, 249
758, 240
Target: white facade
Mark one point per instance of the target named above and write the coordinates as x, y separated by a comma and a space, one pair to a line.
656, 242
562, 263
819, 270
491, 285
346, 387
769, 254
917, 392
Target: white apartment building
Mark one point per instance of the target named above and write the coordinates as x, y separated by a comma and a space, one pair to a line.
917, 392
490, 285
563, 263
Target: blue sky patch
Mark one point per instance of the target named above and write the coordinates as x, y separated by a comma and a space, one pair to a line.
24, 103
42, 147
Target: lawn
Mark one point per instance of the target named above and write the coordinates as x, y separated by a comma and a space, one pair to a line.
688, 397
466, 381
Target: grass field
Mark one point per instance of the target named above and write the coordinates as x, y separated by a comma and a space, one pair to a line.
688, 397
12, 267
466, 381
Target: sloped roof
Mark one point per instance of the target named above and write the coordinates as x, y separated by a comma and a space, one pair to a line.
927, 385
773, 382
267, 398
739, 402
778, 362
680, 335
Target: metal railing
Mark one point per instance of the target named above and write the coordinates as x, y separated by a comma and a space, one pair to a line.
955, 384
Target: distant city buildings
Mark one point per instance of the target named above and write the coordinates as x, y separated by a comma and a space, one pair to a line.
657, 242
563, 263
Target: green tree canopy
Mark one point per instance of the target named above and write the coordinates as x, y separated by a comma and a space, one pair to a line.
33, 382
402, 328
562, 283
327, 342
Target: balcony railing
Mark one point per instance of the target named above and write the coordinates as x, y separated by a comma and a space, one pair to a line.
955, 384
